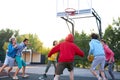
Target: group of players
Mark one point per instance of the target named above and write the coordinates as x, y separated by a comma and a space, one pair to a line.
64, 53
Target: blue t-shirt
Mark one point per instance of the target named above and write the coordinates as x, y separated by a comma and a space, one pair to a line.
11, 51
96, 48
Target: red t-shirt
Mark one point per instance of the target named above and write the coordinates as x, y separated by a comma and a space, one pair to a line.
108, 52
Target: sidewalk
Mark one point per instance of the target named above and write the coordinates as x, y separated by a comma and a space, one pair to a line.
35, 71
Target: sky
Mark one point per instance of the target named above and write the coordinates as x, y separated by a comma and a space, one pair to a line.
39, 17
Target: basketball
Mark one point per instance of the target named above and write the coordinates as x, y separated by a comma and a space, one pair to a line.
90, 58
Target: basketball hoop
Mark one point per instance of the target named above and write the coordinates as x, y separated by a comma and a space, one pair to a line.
70, 11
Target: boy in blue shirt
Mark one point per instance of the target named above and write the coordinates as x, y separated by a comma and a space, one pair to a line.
10, 55
97, 50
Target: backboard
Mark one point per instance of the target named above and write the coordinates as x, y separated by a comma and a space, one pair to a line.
80, 7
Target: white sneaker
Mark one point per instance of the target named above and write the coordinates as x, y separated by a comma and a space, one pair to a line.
41, 77
25, 76
15, 77
99, 78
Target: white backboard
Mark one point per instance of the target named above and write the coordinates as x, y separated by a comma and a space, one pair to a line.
81, 6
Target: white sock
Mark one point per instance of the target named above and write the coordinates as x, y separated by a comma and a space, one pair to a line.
56, 77
104, 79
98, 77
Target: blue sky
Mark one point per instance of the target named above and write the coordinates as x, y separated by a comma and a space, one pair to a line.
39, 17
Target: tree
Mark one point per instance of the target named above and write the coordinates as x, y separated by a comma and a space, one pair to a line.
35, 43
82, 40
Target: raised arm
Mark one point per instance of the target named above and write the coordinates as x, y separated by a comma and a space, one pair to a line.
54, 50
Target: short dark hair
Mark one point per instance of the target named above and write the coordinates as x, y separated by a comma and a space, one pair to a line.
94, 36
103, 41
54, 42
25, 40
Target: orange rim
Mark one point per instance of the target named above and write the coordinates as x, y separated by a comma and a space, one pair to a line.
70, 11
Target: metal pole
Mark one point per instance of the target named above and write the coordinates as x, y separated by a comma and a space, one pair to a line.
70, 23
98, 24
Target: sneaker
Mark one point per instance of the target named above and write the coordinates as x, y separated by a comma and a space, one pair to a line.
15, 77
41, 77
99, 78
25, 76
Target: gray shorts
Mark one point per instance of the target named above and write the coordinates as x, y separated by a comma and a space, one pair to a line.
9, 61
98, 60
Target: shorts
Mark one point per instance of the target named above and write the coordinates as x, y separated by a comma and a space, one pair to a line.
62, 65
98, 60
20, 62
9, 61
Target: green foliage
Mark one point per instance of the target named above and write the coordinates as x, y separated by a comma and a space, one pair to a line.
5, 35
5, 45
45, 50
82, 40
35, 43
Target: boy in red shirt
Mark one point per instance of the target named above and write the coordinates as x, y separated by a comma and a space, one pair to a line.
67, 51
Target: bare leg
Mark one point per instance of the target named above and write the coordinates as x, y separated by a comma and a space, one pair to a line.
23, 74
23, 71
103, 75
10, 69
17, 70
94, 73
2, 68
72, 75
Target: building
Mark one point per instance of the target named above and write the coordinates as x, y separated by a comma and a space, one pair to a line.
33, 57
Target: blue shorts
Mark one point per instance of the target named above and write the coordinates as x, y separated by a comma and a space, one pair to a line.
20, 62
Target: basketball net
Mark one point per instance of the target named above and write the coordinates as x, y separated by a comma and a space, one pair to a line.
70, 12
